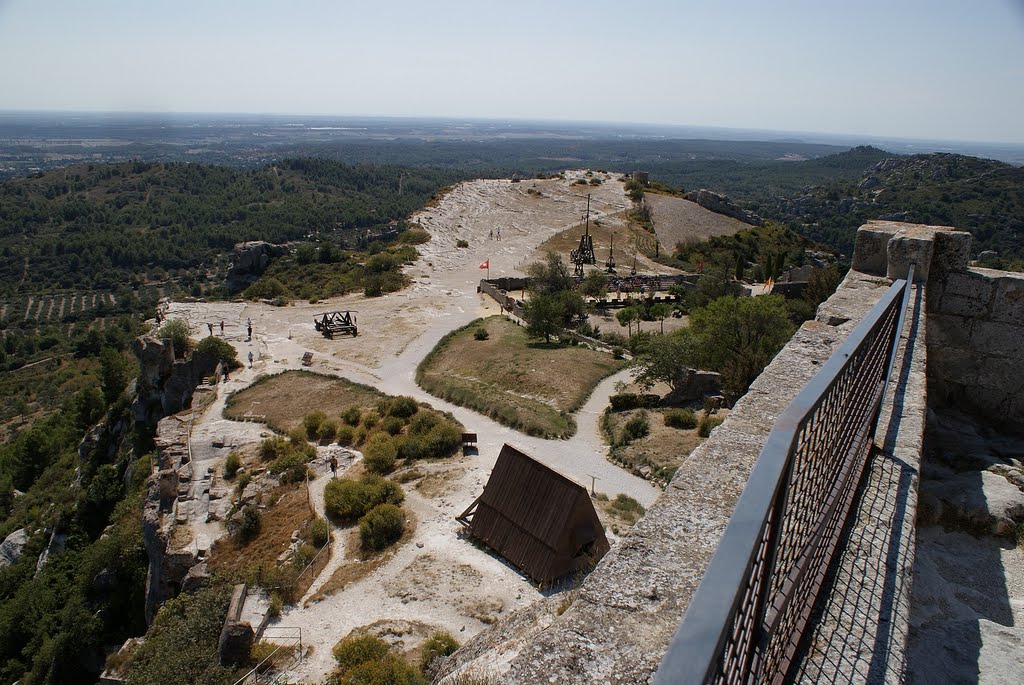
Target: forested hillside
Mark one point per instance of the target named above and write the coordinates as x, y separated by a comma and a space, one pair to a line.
828, 198
98, 227
982, 196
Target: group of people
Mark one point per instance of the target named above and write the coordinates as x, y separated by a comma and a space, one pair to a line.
209, 327
491, 234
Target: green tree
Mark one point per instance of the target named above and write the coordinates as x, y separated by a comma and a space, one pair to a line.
550, 276
179, 333
665, 359
594, 284
735, 336
661, 311
626, 316
220, 348
545, 314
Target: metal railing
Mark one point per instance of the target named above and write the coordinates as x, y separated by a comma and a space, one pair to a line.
747, 616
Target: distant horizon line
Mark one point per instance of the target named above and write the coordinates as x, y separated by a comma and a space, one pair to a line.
865, 137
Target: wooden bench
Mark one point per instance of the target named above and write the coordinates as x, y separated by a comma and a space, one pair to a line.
307, 359
468, 439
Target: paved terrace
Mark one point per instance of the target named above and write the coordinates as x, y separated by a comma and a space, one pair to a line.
619, 626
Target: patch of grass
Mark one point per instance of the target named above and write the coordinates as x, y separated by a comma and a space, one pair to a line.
706, 424
283, 400
681, 418
514, 381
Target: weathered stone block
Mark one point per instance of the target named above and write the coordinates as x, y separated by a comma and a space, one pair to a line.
909, 248
1001, 375
235, 644
869, 252
952, 251
992, 338
958, 305
1008, 302
947, 330
970, 284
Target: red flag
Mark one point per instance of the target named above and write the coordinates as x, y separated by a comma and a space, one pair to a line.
486, 264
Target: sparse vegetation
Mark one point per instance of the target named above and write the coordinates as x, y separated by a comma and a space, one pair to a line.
706, 424
381, 526
681, 418
232, 463
511, 380
346, 499
437, 646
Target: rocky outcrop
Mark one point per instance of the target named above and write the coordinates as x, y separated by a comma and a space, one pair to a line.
12, 547
250, 261
168, 566
165, 385
696, 385
720, 204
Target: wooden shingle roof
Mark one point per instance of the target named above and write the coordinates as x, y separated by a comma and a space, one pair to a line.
535, 517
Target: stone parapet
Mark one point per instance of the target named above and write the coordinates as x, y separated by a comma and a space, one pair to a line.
619, 626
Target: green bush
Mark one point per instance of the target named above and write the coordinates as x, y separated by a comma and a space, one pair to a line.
252, 521
422, 422
273, 447
355, 651
392, 425
402, 407
706, 424
370, 419
638, 426
327, 431
346, 499
481, 334
231, 465
178, 332
380, 453
437, 645
461, 243
319, 532
220, 348
311, 423
346, 435
381, 526
352, 416
625, 401
243, 482
681, 418
625, 503
291, 467
389, 670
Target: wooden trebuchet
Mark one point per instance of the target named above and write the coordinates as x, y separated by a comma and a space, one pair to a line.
337, 323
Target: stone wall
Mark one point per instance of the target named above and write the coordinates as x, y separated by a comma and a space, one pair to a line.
975, 317
976, 336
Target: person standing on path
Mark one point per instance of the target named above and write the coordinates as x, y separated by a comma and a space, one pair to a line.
222, 326
210, 326
250, 359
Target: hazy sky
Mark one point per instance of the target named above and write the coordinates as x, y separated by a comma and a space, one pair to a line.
948, 69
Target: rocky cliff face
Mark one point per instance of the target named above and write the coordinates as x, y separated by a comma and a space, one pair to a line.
720, 204
250, 261
165, 385
164, 388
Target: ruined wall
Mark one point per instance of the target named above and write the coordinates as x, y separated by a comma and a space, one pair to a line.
976, 336
975, 317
